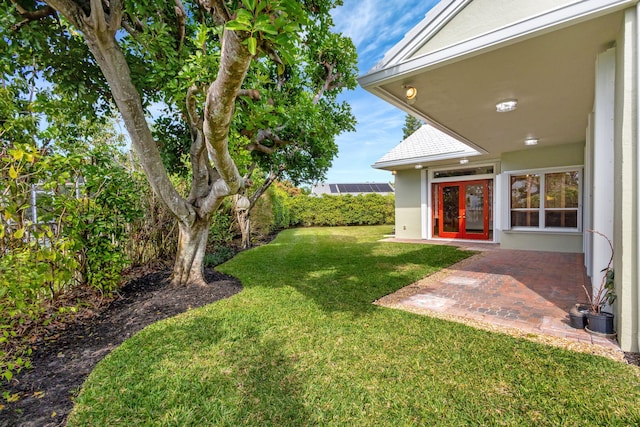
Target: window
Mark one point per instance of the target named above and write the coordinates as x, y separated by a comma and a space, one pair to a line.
480, 170
545, 200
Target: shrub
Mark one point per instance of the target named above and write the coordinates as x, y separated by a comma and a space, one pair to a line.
222, 254
63, 218
327, 210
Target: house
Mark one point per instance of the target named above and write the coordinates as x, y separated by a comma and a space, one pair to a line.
546, 95
353, 189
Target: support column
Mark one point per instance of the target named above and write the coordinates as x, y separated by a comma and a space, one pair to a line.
627, 186
603, 164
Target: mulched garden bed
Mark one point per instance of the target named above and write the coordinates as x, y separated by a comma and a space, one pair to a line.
62, 360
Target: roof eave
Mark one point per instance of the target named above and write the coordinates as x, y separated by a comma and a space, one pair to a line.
393, 67
423, 160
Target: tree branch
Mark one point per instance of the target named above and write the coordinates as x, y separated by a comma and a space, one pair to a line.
235, 59
217, 9
129, 29
265, 185
203, 173
250, 171
30, 16
181, 15
195, 120
97, 16
266, 135
251, 93
328, 82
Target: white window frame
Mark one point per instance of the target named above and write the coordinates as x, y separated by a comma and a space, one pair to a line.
541, 209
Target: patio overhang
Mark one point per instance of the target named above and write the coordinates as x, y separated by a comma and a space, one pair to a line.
546, 63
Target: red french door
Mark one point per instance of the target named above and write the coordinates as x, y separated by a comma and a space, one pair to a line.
463, 210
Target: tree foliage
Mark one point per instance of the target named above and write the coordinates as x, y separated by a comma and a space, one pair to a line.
411, 124
246, 84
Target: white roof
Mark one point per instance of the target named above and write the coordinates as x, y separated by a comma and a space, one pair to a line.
425, 145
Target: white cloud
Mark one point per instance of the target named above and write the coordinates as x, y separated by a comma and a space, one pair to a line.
375, 26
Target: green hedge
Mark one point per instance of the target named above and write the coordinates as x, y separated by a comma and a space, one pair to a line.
368, 209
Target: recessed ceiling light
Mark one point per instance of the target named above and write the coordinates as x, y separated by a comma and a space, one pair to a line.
531, 141
506, 105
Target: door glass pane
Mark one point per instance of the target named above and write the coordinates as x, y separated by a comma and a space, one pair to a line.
490, 206
451, 209
436, 209
474, 197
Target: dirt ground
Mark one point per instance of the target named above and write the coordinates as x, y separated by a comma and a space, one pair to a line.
62, 362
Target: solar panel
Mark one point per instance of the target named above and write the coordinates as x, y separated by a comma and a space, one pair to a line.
362, 188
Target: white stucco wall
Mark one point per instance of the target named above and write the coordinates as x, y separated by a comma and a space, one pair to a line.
544, 157
408, 201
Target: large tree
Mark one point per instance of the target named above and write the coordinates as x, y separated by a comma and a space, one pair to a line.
253, 81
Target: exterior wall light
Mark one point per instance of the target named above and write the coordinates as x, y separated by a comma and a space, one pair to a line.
506, 105
531, 141
418, 166
411, 93
464, 161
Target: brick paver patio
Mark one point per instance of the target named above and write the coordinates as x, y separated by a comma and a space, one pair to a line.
528, 290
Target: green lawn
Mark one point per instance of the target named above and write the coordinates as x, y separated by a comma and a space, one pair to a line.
302, 345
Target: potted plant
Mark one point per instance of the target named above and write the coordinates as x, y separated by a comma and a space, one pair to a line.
578, 316
599, 321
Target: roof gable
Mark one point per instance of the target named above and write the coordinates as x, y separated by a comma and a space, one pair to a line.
458, 28
480, 17
424, 145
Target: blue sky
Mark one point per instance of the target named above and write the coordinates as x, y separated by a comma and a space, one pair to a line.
375, 26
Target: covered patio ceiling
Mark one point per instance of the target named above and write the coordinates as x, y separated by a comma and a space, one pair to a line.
550, 73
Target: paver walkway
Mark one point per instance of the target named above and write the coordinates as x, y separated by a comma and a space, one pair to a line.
530, 291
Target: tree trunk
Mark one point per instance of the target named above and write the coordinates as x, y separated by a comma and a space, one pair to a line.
99, 30
192, 243
244, 222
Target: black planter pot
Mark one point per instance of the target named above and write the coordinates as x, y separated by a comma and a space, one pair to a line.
601, 323
578, 316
